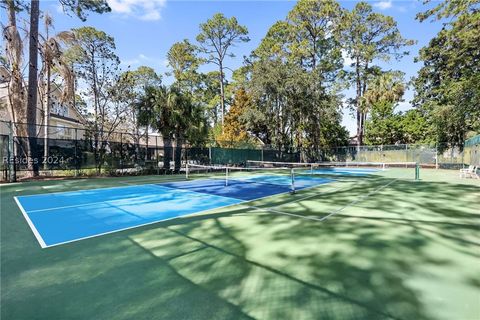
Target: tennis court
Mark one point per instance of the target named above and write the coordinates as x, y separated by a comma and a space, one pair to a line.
59, 218
333, 242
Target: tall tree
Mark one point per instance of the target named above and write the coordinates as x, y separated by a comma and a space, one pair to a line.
14, 60
235, 130
383, 93
97, 66
448, 9
217, 36
53, 63
136, 81
173, 114
416, 127
313, 23
33, 85
367, 36
387, 87
447, 88
293, 81
184, 63
79, 7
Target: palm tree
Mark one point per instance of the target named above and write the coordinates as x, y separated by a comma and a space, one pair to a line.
172, 113
154, 111
14, 55
389, 86
53, 59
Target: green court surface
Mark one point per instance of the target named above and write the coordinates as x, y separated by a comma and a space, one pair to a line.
381, 246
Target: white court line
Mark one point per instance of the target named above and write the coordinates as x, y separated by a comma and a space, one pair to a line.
154, 186
30, 223
240, 203
135, 226
331, 213
281, 212
82, 190
320, 193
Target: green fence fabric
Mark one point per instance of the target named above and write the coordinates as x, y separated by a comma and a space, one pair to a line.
64, 151
472, 141
472, 151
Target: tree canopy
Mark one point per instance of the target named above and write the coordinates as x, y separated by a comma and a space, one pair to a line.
290, 93
447, 88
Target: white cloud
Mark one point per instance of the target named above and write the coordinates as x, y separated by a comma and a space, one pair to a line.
383, 5
130, 62
151, 16
147, 10
142, 59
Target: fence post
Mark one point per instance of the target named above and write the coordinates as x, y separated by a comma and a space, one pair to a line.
121, 153
436, 156
11, 154
156, 154
210, 155
77, 164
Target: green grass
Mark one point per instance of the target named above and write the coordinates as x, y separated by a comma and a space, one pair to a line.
410, 250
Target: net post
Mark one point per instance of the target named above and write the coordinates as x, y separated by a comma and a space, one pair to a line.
311, 168
226, 176
417, 171
292, 174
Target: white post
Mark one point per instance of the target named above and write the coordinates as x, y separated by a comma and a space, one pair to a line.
292, 174
226, 177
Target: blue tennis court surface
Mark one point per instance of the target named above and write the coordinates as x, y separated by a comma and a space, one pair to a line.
58, 218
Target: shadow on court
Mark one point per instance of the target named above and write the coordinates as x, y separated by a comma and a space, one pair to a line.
408, 251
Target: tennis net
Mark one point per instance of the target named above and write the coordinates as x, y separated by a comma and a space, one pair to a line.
338, 168
280, 176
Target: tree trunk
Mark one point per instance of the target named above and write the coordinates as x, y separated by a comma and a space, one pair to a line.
222, 94
16, 95
32, 86
95, 111
357, 103
146, 137
46, 115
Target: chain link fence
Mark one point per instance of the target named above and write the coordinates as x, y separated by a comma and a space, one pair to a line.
424, 154
73, 151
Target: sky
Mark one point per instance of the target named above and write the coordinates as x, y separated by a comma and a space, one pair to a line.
144, 30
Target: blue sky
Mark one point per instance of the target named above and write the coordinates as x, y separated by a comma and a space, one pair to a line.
144, 30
